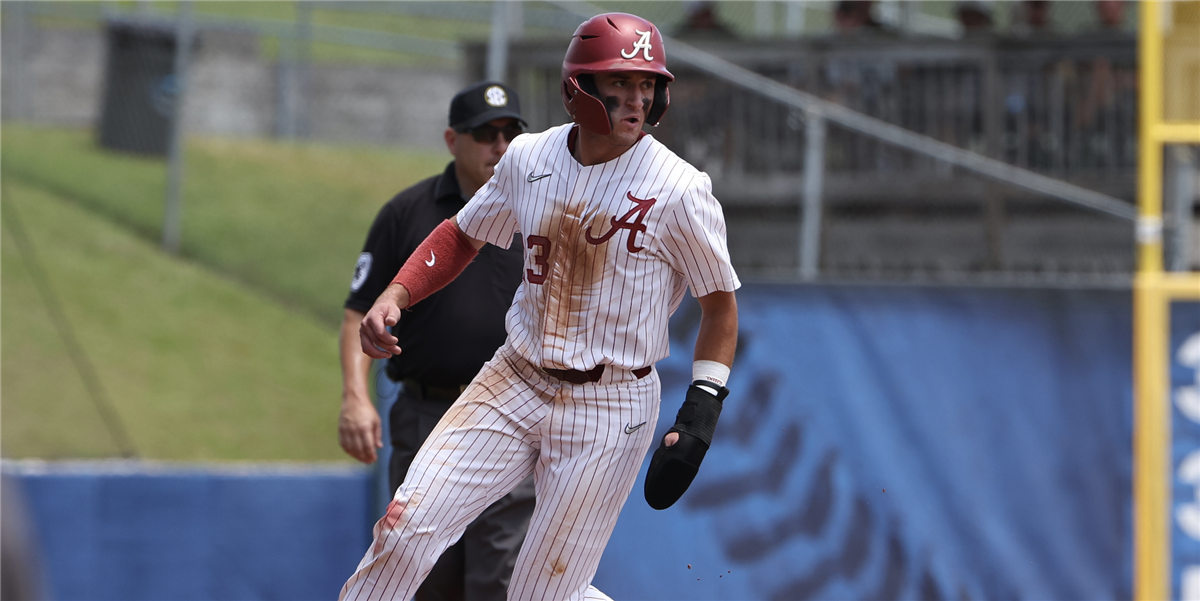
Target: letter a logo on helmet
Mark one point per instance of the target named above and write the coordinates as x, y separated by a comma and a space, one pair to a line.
608, 43
642, 44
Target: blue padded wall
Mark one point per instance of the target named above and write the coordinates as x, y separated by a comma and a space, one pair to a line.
127, 532
899, 443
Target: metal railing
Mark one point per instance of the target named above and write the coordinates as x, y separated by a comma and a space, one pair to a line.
1036, 118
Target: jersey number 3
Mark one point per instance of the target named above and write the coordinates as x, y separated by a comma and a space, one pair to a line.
539, 250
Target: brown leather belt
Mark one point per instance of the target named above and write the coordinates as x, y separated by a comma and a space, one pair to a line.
433, 393
575, 376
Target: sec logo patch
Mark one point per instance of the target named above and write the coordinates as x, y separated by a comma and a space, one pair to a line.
495, 96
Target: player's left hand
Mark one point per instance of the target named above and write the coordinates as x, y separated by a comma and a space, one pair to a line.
677, 459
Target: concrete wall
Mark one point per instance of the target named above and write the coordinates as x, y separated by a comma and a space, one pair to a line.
57, 76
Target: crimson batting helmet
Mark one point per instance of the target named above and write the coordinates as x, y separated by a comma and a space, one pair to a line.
612, 42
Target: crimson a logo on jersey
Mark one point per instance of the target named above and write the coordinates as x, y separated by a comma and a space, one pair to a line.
631, 221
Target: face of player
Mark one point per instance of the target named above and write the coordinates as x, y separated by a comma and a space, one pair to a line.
477, 151
628, 96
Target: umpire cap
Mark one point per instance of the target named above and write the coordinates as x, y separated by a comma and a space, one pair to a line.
484, 102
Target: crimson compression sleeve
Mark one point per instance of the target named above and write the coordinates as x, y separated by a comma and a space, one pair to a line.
443, 255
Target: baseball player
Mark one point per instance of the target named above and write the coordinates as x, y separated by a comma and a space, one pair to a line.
448, 338
615, 228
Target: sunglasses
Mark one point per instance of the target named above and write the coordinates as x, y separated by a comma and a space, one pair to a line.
486, 134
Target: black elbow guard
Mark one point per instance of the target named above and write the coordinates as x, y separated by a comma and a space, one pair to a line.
673, 468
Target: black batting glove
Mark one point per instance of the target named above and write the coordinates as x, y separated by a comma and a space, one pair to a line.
673, 468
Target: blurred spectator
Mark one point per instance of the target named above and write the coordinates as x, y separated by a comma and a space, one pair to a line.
1111, 14
1107, 90
1101, 111
1031, 17
855, 15
702, 22
975, 16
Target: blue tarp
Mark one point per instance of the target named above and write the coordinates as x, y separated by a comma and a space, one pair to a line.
125, 533
888, 443
879, 442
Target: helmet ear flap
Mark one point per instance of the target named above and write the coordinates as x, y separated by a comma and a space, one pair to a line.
585, 109
662, 99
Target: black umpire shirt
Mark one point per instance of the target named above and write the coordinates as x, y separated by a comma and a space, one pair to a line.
447, 337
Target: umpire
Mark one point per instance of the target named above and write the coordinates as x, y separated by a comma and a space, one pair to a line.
446, 341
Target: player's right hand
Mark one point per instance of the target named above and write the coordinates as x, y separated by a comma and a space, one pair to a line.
377, 341
359, 429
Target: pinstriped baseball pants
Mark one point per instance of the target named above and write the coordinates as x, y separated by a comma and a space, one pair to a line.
511, 421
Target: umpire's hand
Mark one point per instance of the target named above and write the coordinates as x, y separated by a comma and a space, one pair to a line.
377, 341
359, 429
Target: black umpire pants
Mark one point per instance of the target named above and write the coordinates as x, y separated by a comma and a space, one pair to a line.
479, 566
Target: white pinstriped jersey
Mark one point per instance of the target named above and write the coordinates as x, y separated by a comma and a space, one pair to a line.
609, 249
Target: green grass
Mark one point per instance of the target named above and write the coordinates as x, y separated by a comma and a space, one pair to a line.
227, 352
198, 367
285, 219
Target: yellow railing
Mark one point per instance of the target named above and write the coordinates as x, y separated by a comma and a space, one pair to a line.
1154, 290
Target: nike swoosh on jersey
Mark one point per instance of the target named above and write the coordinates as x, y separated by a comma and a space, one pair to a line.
432, 259
533, 178
630, 429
